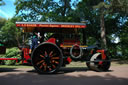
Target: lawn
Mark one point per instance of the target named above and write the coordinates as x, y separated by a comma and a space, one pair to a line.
72, 64
15, 66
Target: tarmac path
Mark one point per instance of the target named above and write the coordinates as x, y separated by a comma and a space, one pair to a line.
118, 75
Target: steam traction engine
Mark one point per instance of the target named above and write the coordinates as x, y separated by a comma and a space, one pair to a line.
62, 47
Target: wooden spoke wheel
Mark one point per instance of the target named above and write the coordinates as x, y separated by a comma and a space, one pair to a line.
47, 58
98, 64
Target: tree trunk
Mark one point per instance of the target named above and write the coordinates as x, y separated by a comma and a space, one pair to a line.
65, 7
103, 34
18, 43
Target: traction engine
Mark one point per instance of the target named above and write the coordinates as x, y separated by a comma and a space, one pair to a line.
59, 50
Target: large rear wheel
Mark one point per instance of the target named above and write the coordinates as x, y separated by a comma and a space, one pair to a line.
47, 58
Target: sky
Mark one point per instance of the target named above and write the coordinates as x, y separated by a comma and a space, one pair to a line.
8, 10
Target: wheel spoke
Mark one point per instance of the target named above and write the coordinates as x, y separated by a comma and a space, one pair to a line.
45, 67
40, 62
42, 56
55, 58
41, 66
53, 61
56, 62
50, 54
46, 53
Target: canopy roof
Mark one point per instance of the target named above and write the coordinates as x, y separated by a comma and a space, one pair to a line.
50, 26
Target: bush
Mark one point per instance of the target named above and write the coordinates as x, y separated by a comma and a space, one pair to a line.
11, 53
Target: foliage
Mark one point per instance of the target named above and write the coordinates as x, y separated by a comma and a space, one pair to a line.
2, 22
10, 34
119, 6
84, 11
11, 53
2, 2
44, 10
124, 39
106, 7
105, 14
35, 10
112, 19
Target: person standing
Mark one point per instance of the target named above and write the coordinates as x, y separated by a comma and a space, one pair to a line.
34, 41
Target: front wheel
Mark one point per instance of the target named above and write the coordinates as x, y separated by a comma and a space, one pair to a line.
97, 63
47, 58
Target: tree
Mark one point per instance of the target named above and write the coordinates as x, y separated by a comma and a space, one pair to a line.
65, 7
2, 2
44, 10
124, 39
106, 7
102, 7
2, 22
35, 10
10, 34
63, 11
84, 11
119, 6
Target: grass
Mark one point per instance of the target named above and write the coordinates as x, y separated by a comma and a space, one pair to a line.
120, 62
76, 64
72, 64
14, 66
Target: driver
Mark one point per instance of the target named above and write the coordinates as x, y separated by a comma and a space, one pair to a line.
34, 41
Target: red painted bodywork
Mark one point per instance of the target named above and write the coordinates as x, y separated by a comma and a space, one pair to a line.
51, 25
26, 55
103, 55
52, 40
69, 60
9, 59
54, 26
71, 42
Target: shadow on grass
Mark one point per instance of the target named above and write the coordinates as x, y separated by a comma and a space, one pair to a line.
8, 70
121, 62
64, 70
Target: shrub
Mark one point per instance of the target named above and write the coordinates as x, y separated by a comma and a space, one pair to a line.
11, 53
